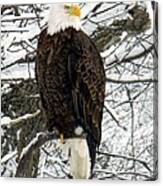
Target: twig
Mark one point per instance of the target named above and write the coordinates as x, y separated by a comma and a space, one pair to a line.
132, 81
14, 80
21, 60
15, 30
93, 10
16, 18
118, 174
114, 118
132, 128
125, 157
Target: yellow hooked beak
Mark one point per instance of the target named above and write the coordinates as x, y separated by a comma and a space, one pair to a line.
74, 10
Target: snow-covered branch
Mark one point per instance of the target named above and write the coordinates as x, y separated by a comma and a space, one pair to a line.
7, 157
127, 59
6, 30
18, 121
19, 18
27, 152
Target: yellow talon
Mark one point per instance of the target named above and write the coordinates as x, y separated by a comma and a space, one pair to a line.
62, 138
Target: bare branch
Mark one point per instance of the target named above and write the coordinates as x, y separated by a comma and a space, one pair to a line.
118, 175
126, 157
131, 81
114, 118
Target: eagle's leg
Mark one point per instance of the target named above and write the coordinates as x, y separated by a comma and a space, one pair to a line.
62, 138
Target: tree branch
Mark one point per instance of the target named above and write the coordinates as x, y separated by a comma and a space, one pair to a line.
18, 121
130, 58
17, 18
114, 118
21, 60
150, 80
119, 174
7, 157
15, 30
30, 149
126, 157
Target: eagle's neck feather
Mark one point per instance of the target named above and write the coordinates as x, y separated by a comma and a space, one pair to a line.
58, 20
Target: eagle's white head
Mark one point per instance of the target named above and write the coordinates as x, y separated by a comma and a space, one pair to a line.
62, 16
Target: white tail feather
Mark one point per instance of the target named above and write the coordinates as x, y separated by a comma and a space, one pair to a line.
80, 164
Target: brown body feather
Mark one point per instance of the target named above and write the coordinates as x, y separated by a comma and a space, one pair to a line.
71, 81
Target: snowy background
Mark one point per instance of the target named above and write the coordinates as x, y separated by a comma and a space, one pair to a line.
126, 35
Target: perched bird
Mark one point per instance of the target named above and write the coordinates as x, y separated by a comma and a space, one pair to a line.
71, 82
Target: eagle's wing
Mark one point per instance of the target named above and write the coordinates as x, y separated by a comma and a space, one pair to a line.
43, 51
87, 78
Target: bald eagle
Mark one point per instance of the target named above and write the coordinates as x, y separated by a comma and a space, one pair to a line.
71, 82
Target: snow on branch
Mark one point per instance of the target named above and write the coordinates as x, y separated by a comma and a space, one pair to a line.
14, 30
17, 122
14, 80
38, 141
18, 18
28, 151
127, 59
7, 157
23, 59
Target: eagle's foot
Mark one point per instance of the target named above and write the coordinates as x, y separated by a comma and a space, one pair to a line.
62, 139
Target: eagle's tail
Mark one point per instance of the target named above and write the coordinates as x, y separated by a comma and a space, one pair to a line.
92, 145
80, 163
